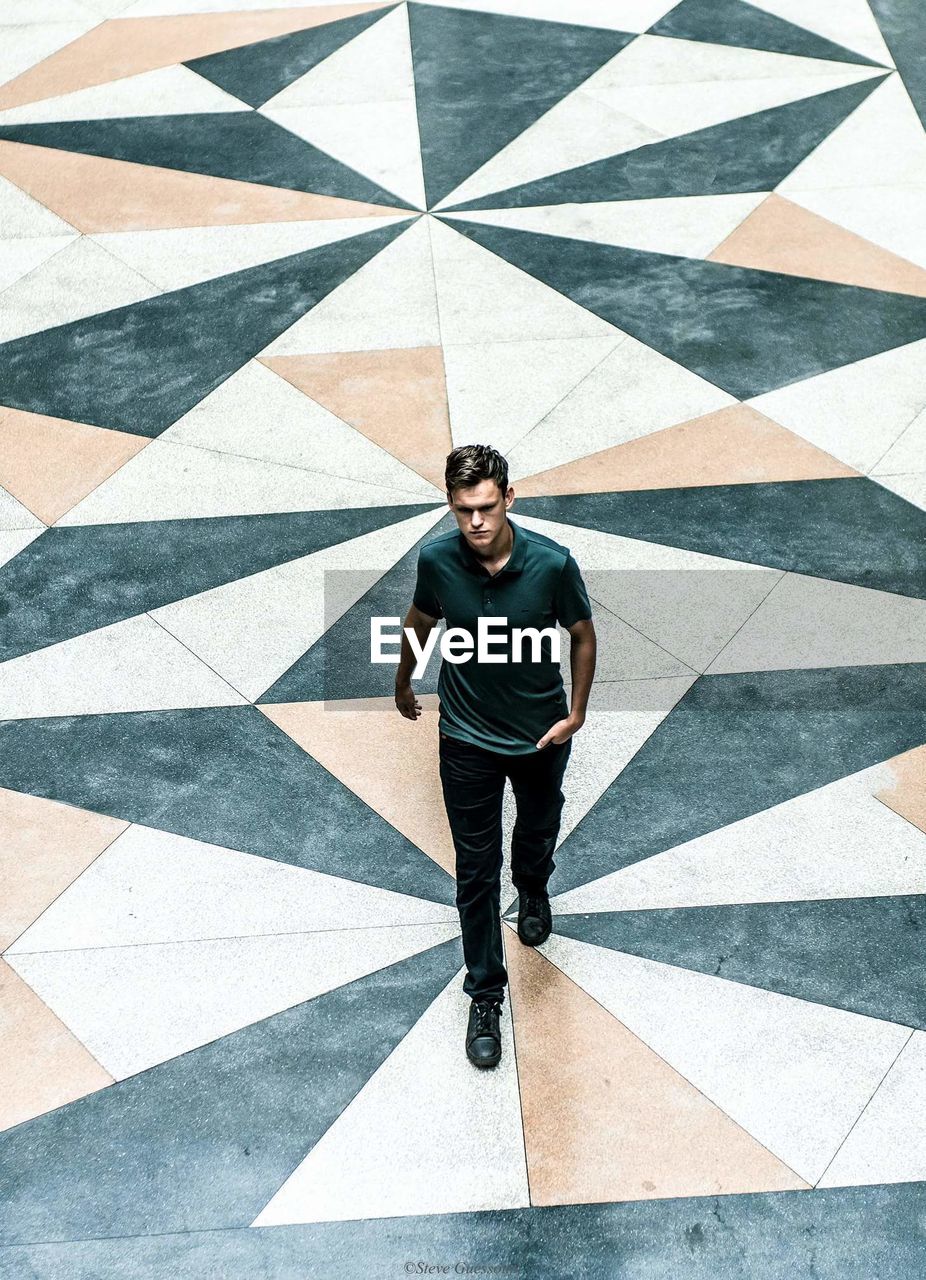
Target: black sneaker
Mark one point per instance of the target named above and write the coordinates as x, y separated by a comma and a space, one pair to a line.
535, 922
483, 1039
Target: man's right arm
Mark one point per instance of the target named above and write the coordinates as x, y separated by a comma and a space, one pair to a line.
421, 623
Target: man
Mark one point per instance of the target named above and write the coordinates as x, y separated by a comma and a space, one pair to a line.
499, 720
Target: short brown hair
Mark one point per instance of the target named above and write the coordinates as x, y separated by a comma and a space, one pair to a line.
470, 463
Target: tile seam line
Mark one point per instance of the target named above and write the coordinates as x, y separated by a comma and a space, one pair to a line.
781, 577
193, 654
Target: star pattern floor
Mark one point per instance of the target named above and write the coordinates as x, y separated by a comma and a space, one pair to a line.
261, 267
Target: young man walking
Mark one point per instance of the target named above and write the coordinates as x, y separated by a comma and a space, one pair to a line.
499, 718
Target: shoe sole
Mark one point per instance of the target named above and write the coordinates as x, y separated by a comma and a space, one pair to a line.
486, 1062
538, 943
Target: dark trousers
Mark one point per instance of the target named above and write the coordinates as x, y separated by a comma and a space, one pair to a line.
473, 782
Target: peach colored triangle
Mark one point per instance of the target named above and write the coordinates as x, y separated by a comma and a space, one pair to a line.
391, 763
397, 398
736, 445
129, 46
43, 1064
605, 1118
49, 464
45, 847
907, 796
782, 236
94, 194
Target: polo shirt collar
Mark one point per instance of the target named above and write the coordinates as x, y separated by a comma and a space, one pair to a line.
515, 561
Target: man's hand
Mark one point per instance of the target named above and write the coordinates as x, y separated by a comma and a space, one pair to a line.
562, 731
406, 701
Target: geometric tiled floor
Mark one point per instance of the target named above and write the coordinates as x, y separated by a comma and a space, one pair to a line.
260, 269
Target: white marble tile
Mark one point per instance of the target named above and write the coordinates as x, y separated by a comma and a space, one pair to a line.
794, 1074
133, 1007
468, 1147
908, 452
254, 629
688, 603
177, 257
257, 414
880, 143
133, 665
12, 541
13, 515
166, 91
177, 482
690, 226
24, 13
855, 412
23, 46
390, 302
893, 217
152, 886
158, 8
482, 298
850, 23
632, 393
498, 391
20, 256
837, 841
889, 1142
80, 280
577, 130
809, 622
910, 487
20, 215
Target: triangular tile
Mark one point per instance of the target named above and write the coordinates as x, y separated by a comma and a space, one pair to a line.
135, 1007
100, 195
46, 846
151, 886
396, 398
898, 23
167, 91
359, 106
781, 236
794, 1075
16, 517
852, 24
390, 302
20, 257
262, 794
605, 1119
64, 372
631, 393
133, 665
906, 794
860, 849
201, 1141
50, 463
858, 411
736, 445
129, 46
44, 1065
499, 104
912, 488
776, 332
256, 72
735, 22
859, 954
252, 630
24, 217
117, 571
351, 1173
750, 153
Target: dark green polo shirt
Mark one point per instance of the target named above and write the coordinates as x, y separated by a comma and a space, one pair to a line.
508, 706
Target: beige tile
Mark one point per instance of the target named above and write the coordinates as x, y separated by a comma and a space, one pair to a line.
737, 445
605, 1118
118, 195
908, 794
395, 772
49, 464
128, 46
397, 398
44, 846
43, 1065
781, 236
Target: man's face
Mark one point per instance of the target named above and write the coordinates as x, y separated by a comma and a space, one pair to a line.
480, 511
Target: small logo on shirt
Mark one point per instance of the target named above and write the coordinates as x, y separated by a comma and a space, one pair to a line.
492, 643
